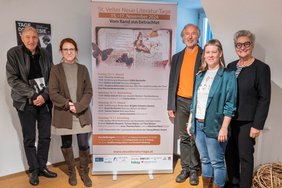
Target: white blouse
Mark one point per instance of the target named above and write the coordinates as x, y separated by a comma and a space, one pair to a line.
203, 93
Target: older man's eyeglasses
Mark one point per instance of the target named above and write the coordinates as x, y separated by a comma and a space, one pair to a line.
65, 50
245, 44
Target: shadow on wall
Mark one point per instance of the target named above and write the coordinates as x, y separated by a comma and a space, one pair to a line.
271, 135
259, 52
272, 127
15, 121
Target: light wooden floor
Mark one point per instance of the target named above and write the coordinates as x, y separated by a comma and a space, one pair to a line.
20, 180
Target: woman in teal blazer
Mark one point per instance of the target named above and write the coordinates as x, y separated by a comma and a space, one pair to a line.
213, 106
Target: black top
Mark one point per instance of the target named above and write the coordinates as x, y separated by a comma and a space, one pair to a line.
34, 69
254, 92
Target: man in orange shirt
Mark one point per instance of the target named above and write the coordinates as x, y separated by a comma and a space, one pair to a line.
185, 65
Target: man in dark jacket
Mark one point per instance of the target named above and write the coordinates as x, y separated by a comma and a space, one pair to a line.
28, 67
185, 65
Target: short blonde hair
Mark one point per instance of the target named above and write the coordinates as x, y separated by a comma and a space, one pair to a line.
212, 42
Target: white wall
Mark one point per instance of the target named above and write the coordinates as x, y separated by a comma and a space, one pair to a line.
262, 18
71, 18
68, 18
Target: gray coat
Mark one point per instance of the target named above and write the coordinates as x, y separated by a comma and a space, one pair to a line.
17, 71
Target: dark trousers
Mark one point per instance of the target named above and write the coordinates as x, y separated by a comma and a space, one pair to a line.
189, 154
82, 141
31, 118
240, 155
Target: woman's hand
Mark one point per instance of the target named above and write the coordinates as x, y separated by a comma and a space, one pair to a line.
188, 124
223, 134
254, 132
72, 107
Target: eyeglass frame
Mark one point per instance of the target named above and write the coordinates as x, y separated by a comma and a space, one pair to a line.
245, 44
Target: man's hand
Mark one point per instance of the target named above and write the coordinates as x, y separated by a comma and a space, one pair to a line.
39, 100
188, 127
170, 114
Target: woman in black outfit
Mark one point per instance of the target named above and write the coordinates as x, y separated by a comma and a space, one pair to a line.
254, 91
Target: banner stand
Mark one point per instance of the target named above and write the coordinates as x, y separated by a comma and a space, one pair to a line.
150, 174
132, 44
115, 176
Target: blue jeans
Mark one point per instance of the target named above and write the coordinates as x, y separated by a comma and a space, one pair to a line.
211, 155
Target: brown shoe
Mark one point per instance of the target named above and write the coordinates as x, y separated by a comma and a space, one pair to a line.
83, 169
207, 182
216, 186
69, 158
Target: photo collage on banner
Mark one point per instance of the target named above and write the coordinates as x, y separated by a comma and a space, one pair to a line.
132, 44
44, 32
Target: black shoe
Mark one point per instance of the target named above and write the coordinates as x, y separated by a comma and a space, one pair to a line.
47, 173
184, 174
194, 179
33, 178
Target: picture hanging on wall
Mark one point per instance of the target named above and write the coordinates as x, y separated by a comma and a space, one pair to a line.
44, 32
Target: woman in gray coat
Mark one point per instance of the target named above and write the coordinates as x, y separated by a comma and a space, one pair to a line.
70, 90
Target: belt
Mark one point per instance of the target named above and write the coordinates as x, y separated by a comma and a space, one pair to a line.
201, 120
185, 98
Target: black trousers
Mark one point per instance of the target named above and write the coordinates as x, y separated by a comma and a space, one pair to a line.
240, 155
31, 118
82, 140
189, 154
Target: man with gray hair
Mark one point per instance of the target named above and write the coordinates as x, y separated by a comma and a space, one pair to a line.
184, 67
27, 69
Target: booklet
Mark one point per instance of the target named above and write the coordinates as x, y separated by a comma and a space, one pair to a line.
38, 84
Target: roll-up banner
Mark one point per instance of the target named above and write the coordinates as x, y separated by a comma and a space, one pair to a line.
132, 44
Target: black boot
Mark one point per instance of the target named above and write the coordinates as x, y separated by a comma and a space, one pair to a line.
184, 174
69, 158
83, 169
193, 178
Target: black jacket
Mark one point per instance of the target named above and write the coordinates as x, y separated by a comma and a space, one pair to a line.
254, 92
176, 63
17, 71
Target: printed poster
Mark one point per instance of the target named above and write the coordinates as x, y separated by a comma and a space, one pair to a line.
44, 32
132, 44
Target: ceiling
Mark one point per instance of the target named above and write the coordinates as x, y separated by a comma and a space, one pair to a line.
192, 4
